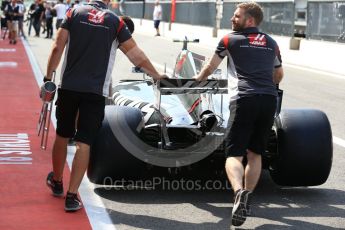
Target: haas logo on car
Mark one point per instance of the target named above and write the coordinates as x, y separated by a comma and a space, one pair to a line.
96, 16
257, 39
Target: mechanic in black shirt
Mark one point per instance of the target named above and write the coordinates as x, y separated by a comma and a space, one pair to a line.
91, 34
254, 69
129, 23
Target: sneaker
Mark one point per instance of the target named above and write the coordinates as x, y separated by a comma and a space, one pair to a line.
72, 202
55, 186
239, 210
249, 204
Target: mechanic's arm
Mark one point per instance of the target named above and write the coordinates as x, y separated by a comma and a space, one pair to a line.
278, 74
138, 58
56, 52
209, 68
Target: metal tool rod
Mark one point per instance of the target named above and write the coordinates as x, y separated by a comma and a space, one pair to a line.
47, 96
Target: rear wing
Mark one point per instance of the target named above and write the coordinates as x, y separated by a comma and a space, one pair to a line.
191, 86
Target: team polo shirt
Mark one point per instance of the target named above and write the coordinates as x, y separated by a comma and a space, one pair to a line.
252, 57
94, 36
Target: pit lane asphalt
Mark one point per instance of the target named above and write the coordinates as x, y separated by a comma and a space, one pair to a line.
320, 207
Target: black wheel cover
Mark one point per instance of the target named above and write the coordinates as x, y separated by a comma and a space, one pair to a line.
109, 160
305, 148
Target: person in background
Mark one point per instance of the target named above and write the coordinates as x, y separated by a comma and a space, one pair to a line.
31, 17
60, 9
12, 11
157, 16
76, 4
49, 20
4, 3
38, 16
43, 19
3, 19
254, 69
22, 10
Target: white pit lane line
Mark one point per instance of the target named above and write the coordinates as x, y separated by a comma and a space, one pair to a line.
310, 69
8, 64
336, 140
96, 211
339, 141
2, 50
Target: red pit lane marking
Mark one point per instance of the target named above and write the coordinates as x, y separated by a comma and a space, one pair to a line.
24, 166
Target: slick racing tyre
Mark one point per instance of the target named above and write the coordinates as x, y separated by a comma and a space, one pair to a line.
109, 159
304, 148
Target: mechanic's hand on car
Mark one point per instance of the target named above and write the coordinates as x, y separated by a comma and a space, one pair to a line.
199, 78
162, 76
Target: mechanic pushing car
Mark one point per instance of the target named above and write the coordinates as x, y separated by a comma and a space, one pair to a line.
254, 69
92, 34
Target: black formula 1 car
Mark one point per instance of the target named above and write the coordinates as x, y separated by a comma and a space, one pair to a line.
176, 128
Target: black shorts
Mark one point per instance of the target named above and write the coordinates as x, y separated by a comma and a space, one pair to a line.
250, 123
156, 23
91, 114
58, 23
3, 23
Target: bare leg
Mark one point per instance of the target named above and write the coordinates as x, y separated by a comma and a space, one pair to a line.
14, 36
10, 35
79, 166
9, 28
59, 156
252, 170
235, 172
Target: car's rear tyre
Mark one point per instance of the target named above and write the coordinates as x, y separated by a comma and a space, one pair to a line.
110, 162
304, 148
